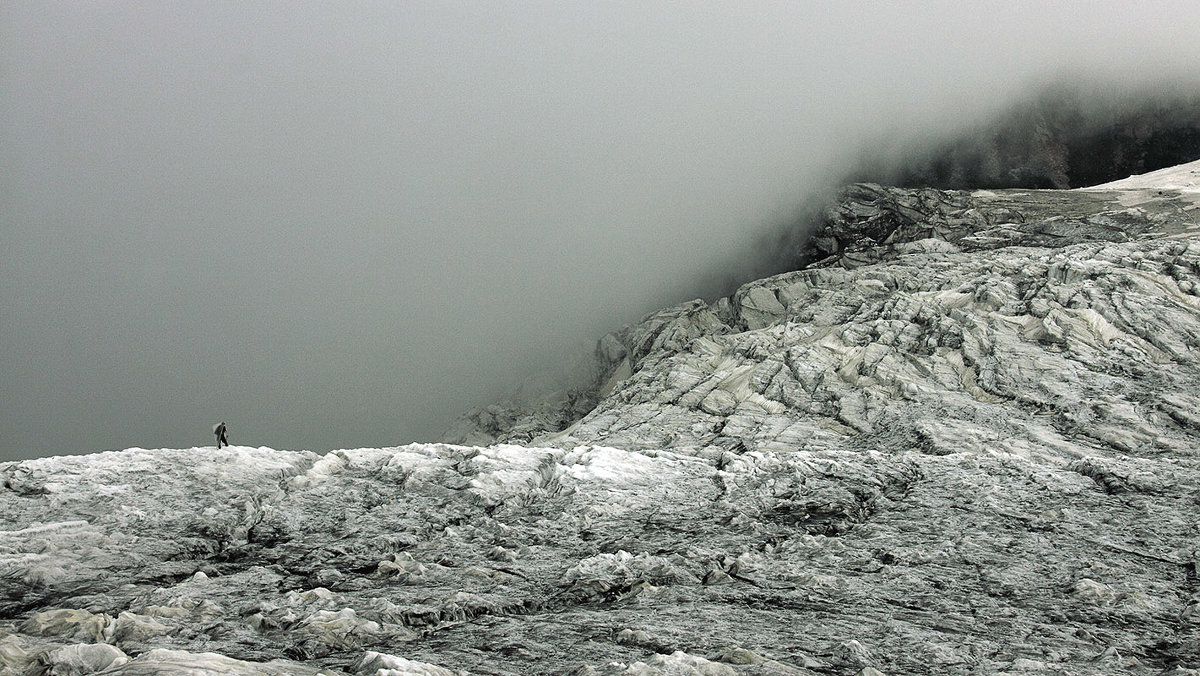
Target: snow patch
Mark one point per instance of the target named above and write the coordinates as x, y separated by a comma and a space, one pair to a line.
1143, 188
1183, 177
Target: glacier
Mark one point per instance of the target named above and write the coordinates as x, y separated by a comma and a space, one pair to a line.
961, 440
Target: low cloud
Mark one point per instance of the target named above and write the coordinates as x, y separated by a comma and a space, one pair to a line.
337, 226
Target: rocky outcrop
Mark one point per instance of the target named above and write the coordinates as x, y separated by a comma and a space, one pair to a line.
963, 441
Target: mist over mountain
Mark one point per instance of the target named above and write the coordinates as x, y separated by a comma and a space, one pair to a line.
878, 389
1068, 135
339, 227
964, 441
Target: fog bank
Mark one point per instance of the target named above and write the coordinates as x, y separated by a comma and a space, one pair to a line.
342, 225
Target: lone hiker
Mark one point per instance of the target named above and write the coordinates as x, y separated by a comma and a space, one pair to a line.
219, 430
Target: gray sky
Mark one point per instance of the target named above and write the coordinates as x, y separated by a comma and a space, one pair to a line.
341, 224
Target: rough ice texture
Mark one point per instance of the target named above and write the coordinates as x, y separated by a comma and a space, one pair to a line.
964, 443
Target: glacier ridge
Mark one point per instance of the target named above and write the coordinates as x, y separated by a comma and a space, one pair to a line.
961, 440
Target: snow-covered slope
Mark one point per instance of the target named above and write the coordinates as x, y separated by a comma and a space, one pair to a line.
1184, 177
963, 442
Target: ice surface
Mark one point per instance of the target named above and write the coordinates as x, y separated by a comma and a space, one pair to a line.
967, 445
